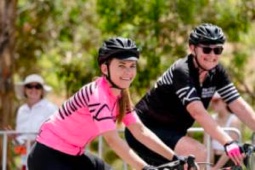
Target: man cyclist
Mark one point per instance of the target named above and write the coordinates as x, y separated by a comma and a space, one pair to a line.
182, 95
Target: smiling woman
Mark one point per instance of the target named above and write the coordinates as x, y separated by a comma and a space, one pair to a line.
95, 110
122, 72
33, 81
30, 115
33, 92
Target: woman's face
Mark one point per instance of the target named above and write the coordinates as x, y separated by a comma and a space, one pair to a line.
33, 91
122, 72
208, 55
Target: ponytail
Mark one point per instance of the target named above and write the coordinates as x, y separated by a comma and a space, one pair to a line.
125, 104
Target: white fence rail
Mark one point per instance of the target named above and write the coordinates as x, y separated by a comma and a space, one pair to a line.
4, 134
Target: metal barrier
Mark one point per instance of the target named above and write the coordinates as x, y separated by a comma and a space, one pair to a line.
5, 134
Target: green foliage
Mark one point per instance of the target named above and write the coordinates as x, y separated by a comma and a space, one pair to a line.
234, 27
76, 73
188, 10
150, 24
54, 30
31, 35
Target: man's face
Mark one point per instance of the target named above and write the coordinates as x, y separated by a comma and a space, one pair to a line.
207, 55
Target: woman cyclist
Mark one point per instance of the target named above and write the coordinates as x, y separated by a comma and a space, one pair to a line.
93, 111
182, 94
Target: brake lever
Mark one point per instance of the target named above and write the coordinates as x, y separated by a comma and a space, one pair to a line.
191, 162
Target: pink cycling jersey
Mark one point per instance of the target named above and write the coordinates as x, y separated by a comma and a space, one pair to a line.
88, 113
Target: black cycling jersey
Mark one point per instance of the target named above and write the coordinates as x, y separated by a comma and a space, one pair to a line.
165, 104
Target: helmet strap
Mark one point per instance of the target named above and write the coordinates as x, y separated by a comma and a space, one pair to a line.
108, 77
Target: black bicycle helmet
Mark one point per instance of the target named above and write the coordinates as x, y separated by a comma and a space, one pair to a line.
119, 47
207, 34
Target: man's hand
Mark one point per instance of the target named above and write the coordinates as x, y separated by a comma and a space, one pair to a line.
233, 151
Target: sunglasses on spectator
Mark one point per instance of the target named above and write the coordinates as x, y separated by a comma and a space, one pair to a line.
207, 50
35, 86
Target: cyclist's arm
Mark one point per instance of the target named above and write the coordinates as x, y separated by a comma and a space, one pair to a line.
123, 150
235, 123
244, 112
200, 114
150, 140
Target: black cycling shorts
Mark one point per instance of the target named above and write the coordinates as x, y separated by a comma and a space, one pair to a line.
42, 157
170, 138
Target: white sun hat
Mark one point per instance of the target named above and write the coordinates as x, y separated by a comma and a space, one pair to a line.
32, 78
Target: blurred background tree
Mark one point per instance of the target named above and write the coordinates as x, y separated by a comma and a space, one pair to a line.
59, 39
7, 39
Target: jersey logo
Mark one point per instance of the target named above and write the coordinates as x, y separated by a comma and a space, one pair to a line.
187, 94
98, 110
208, 92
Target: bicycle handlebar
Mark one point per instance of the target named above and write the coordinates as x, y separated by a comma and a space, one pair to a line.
191, 162
179, 165
246, 148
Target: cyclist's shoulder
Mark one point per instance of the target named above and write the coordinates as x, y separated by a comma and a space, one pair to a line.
180, 66
92, 92
182, 62
93, 88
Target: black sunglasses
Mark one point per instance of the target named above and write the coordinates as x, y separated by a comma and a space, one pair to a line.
31, 86
208, 50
